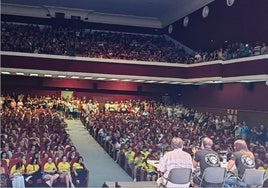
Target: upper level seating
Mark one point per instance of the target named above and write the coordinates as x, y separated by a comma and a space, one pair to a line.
112, 45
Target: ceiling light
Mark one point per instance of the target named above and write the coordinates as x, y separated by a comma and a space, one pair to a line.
248, 81
163, 82
101, 78
113, 79
175, 82
47, 75
186, 83
150, 81
19, 73
205, 11
61, 76
213, 81
139, 80
88, 78
126, 80
5, 72
75, 77
230, 2
185, 21
33, 74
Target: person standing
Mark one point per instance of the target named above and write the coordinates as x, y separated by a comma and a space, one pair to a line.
204, 158
243, 159
177, 158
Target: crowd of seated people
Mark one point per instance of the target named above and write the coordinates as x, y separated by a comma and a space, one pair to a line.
36, 149
113, 45
131, 131
142, 130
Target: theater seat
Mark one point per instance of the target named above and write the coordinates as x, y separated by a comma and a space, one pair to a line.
254, 177
178, 177
213, 177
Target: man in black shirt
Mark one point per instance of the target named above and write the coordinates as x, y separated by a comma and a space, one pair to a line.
204, 158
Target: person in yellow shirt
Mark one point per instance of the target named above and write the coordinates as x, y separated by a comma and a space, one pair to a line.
16, 175
50, 170
137, 165
33, 171
80, 171
64, 170
145, 152
150, 170
130, 154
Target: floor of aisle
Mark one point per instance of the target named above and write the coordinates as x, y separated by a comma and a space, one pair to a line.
101, 166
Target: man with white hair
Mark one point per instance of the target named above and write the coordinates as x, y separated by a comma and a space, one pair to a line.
177, 158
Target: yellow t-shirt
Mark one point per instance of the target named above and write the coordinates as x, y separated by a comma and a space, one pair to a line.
64, 167
130, 155
49, 167
138, 161
77, 166
145, 154
149, 168
31, 168
17, 171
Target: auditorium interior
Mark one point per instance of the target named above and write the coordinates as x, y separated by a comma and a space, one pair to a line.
94, 78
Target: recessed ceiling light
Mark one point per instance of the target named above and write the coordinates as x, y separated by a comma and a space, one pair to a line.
101, 78
113, 79
75, 77
163, 82
126, 80
175, 82
5, 72
186, 83
33, 74
88, 78
150, 81
47, 75
61, 76
139, 80
213, 81
19, 73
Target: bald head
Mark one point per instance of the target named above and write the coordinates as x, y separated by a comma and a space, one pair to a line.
207, 142
176, 143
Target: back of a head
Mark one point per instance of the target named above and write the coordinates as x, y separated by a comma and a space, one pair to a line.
241, 145
207, 142
176, 143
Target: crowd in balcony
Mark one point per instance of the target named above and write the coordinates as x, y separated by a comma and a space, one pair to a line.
113, 45
133, 130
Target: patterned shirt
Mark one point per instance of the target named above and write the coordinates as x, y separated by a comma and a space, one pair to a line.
175, 159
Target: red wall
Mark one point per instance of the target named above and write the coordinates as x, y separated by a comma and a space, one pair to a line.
232, 95
91, 89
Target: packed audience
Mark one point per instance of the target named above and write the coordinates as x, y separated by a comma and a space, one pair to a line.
113, 45
36, 150
131, 131
145, 128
